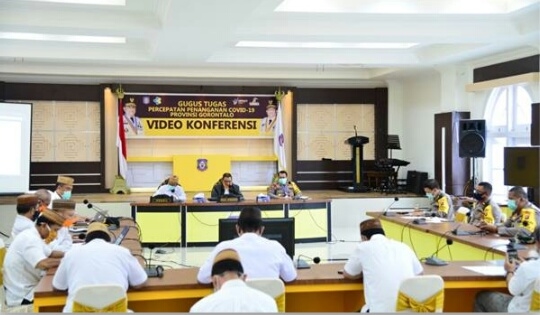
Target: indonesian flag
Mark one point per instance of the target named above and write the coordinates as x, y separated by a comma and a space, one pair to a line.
121, 141
279, 140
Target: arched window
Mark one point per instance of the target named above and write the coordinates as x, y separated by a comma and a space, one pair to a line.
508, 123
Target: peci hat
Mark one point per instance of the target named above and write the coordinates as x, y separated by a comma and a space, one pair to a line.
226, 260
271, 105
61, 204
27, 200
131, 103
53, 217
98, 226
65, 180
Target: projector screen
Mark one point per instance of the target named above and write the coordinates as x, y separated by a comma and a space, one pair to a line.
15, 143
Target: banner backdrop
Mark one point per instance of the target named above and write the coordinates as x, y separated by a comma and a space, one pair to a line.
199, 115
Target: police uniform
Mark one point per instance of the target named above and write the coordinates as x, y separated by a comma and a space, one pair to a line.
276, 190
442, 204
261, 258
97, 262
524, 221
488, 212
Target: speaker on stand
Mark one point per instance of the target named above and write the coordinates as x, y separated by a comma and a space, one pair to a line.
472, 144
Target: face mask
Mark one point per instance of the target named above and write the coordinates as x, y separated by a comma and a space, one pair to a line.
170, 187
66, 195
512, 205
282, 181
52, 235
478, 196
430, 196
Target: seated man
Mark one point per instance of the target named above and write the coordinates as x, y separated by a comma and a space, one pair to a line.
520, 285
283, 188
225, 186
64, 240
170, 187
441, 202
44, 199
524, 219
27, 258
97, 262
26, 210
261, 257
64, 187
384, 264
231, 294
485, 209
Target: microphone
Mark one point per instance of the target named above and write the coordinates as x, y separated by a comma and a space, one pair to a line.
385, 212
82, 236
435, 261
153, 271
113, 223
302, 264
355, 132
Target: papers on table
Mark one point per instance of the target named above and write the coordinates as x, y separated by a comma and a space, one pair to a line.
487, 270
427, 219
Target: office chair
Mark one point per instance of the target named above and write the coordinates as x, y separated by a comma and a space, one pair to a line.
101, 298
421, 294
273, 287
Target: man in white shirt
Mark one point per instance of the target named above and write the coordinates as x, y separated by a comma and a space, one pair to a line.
26, 210
44, 199
231, 292
28, 257
64, 240
261, 257
520, 285
97, 262
64, 187
171, 188
383, 264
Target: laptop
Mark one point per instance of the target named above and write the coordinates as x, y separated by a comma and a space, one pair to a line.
121, 236
99, 217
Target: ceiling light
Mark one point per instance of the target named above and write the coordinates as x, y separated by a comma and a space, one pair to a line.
332, 45
63, 38
94, 2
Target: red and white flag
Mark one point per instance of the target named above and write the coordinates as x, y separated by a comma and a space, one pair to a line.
121, 141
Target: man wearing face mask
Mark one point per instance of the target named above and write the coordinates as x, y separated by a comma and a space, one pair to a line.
170, 187
27, 258
283, 188
441, 202
64, 186
485, 210
26, 210
524, 219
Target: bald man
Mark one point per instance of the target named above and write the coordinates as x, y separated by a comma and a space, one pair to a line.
170, 187
384, 264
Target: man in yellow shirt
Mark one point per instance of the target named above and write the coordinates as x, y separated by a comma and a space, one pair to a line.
485, 209
281, 187
441, 202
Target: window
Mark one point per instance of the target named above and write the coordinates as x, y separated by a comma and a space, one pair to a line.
508, 123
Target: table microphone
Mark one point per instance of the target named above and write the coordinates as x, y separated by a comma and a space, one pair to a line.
302, 264
385, 212
435, 261
153, 271
113, 222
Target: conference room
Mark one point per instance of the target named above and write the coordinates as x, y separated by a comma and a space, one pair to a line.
359, 104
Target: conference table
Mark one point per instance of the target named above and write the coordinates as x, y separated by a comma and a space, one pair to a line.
196, 224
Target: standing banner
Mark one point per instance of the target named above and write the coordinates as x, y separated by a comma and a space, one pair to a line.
199, 115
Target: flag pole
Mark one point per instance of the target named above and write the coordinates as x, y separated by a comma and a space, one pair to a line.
120, 184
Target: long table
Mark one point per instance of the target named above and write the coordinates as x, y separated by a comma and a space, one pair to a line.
196, 224
430, 238
319, 289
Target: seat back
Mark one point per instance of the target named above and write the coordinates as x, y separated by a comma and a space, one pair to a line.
535, 299
273, 287
461, 215
107, 298
421, 294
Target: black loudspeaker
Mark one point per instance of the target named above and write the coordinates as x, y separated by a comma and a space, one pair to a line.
472, 138
415, 182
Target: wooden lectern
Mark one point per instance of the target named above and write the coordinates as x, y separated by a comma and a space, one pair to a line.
357, 149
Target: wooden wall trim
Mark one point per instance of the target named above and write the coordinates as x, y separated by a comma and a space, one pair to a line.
507, 69
53, 92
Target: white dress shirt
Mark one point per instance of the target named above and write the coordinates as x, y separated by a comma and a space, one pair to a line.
384, 264
521, 286
235, 296
178, 194
20, 272
97, 262
260, 257
21, 223
63, 241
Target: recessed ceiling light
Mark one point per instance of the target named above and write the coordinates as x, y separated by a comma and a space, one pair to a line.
63, 38
335, 45
94, 2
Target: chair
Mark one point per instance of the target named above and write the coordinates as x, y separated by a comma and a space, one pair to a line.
107, 298
535, 299
461, 215
421, 294
273, 287
503, 218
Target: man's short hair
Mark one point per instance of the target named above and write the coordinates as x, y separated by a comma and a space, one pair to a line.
487, 186
226, 175
43, 195
227, 260
371, 227
250, 219
283, 172
519, 192
431, 184
26, 202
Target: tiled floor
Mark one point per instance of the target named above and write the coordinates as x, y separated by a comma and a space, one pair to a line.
341, 247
